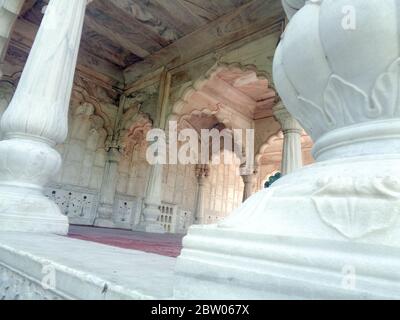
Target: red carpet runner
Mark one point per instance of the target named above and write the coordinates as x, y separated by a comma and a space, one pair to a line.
169, 245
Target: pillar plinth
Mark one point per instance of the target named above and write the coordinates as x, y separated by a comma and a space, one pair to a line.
152, 202
108, 188
36, 120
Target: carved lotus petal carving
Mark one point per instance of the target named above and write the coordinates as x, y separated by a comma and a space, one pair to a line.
357, 207
385, 95
345, 103
310, 109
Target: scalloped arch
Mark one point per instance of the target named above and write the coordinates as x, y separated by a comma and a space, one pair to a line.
97, 106
187, 92
270, 141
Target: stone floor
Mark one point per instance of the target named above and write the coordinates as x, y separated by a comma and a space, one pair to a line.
81, 269
169, 245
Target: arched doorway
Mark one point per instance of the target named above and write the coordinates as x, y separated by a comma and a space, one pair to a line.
227, 97
269, 157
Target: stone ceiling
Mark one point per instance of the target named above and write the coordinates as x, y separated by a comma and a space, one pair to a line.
125, 39
124, 32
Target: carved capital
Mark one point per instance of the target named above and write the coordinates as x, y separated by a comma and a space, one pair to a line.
202, 171
288, 123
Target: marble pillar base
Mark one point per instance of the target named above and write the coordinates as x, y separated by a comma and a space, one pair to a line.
150, 228
104, 219
25, 166
228, 264
151, 213
28, 210
329, 230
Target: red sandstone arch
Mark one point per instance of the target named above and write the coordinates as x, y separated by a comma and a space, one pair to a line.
232, 93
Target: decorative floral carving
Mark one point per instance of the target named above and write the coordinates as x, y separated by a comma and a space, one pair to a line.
346, 104
358, 206
385, 95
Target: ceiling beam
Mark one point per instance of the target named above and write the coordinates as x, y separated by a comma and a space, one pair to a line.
92, 24
25, 32
243, 22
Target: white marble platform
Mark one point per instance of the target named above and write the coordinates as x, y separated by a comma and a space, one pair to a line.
83, 270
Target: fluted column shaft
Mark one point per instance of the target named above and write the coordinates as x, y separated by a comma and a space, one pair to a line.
110, 176
202, 173
249, 181
108, 188
153, 198
292, 154
152, 202
37, 119
6, 92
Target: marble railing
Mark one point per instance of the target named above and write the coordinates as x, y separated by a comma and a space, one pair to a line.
168, 217
127, 210
80, 205
175, 219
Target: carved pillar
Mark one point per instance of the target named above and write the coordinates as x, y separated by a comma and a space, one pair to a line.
249, 180
153, 198
6, 94
202, 173
152, 202
36, 120
110, 176
292, 156
108, 188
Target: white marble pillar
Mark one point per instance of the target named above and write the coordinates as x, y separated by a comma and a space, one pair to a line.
249, 180
202, 173
292, 155
108, 188
36, 120
152, 202
110, 176
153, 199
6, 93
